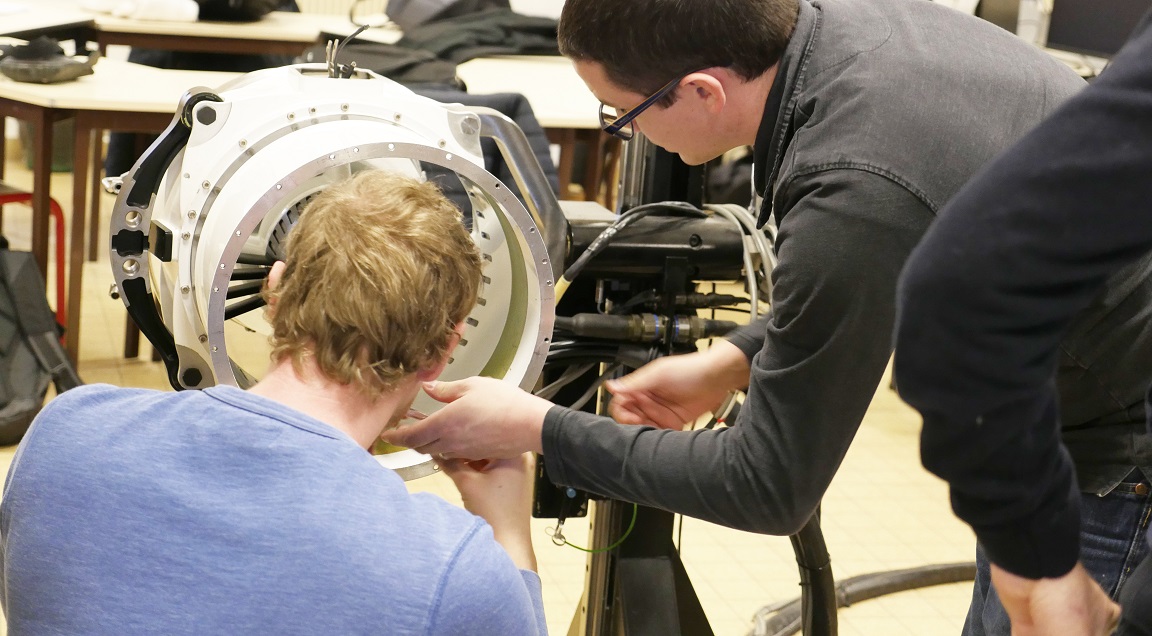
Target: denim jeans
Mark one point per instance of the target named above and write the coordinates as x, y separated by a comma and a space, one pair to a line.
1112, 544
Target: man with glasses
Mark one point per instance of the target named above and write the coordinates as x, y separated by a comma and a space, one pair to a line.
865, 117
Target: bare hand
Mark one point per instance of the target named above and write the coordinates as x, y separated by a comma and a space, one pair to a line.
500, 491
1071, 604
484, 419
673, 391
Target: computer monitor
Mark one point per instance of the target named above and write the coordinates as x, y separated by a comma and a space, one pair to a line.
1094, 27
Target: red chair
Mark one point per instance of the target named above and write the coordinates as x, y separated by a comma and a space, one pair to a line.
8, 194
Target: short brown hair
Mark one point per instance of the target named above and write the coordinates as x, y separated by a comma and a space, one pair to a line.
379, 271
643, 44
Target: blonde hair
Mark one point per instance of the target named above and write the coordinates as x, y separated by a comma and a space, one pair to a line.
379, 271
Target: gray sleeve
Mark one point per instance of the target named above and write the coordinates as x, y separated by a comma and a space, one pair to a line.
825, 346
749, 338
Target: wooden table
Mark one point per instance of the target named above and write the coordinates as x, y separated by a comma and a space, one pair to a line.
34, 18
119, 96
25, 20
277, 33
563, 105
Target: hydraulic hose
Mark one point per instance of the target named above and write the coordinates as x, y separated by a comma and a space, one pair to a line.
784, 619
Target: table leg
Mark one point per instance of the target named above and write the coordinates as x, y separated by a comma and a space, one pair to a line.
41, 184
3, 146
131, 339
566, 139
81, 153
95, 155
3, 160
593, 162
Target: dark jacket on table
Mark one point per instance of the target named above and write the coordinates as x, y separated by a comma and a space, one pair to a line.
881, 110
1012, 284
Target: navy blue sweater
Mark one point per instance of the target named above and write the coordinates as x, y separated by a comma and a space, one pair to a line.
987, 297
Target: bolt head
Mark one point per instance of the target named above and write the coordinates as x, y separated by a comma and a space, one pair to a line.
206, 115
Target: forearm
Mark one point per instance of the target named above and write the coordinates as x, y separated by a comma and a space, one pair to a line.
730, 363
766, 474
1037, 535
702, 474
517, 542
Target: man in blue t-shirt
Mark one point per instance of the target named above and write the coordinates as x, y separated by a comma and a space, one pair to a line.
131, 511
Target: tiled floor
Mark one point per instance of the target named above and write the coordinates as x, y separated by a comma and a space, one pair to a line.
882, 512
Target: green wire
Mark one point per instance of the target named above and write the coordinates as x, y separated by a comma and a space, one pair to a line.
631, 524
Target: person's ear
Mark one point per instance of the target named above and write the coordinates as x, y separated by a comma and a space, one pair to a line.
275, 275
432, 372
708, 88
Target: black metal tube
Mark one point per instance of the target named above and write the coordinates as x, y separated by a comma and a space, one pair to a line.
240, 307
818, 588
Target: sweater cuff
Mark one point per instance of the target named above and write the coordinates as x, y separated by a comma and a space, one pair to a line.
550, 441
749, 338
1045, 545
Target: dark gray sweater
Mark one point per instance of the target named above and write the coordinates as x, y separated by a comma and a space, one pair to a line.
881, 110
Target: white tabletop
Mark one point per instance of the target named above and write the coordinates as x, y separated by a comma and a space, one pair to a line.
558, 96
19, 16
278, 25
116, 86
388, 34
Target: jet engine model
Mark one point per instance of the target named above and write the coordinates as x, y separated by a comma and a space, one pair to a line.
203, 214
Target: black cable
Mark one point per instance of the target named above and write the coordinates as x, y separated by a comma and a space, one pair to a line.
631, 356
593, 388
352, 36
818, 599
341, 70
783, 619
571, 375
646, 296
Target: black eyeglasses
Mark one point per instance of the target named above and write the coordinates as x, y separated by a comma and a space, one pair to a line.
620, 126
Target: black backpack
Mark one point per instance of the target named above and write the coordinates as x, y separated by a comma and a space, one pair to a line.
241, 10
409, 14
30, 352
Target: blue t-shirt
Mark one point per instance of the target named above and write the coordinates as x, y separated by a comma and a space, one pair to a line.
130, 511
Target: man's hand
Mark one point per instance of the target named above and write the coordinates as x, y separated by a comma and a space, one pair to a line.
500, 491
675, 390
484, 419
1071, 604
